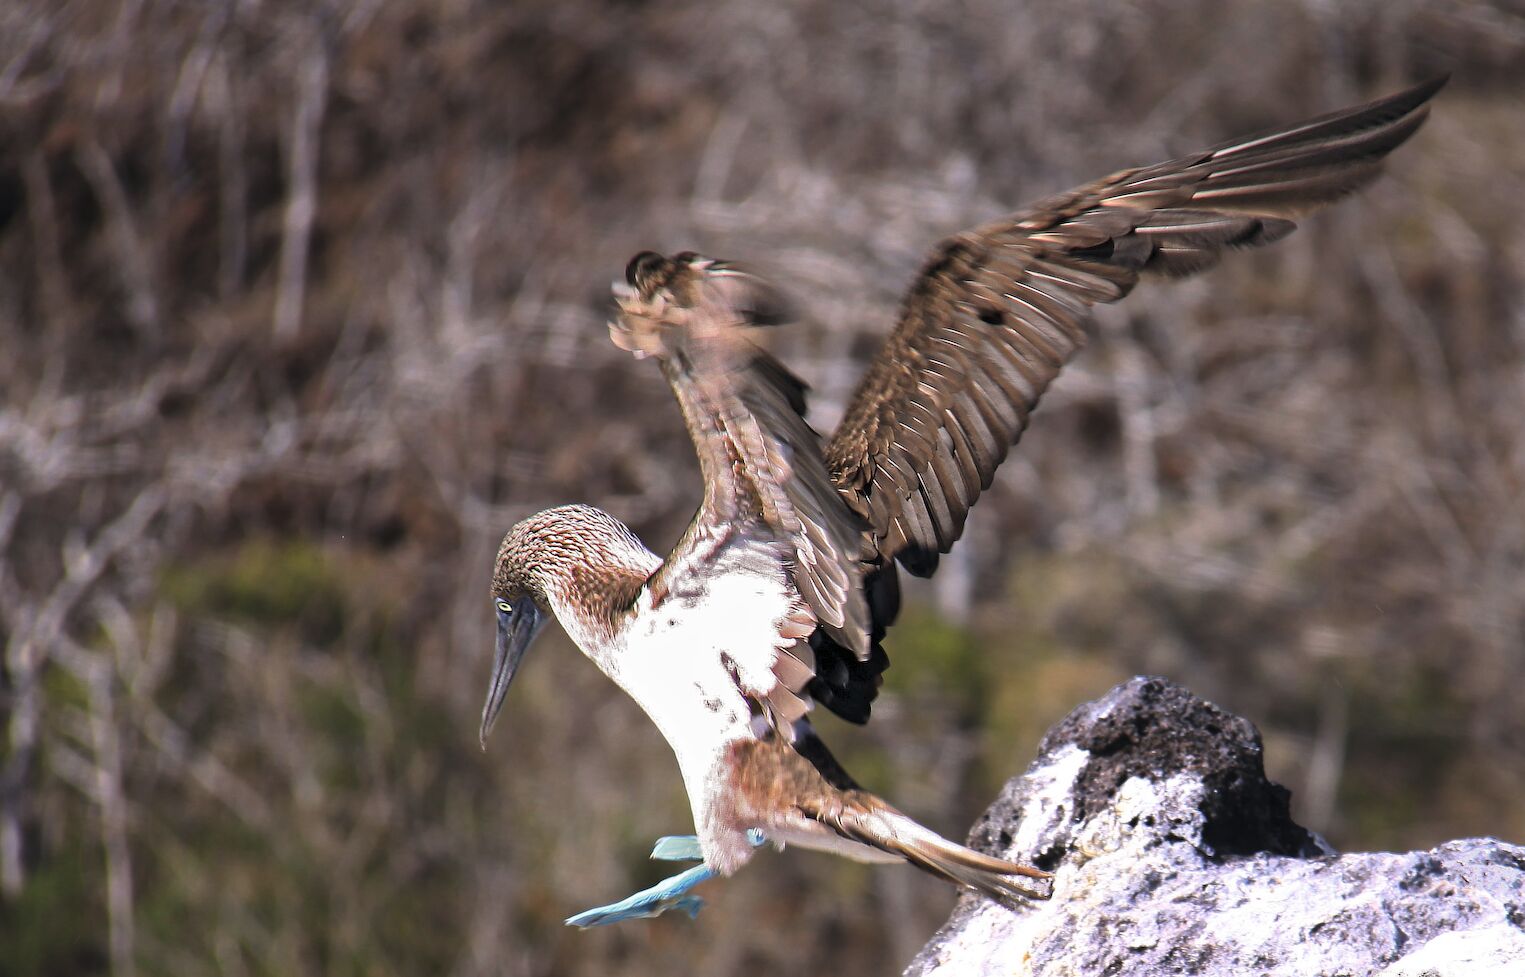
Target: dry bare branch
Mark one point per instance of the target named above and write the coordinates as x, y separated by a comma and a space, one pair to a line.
302, 186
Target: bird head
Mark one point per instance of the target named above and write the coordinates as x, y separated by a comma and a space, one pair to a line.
519, 602
573, 562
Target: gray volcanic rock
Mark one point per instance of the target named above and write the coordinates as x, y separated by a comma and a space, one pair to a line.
1173, 855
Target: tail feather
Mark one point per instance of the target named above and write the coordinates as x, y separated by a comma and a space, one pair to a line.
870, 821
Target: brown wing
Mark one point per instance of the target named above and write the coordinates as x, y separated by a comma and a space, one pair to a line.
998, 310
763, 471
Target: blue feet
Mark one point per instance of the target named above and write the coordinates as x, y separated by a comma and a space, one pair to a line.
665, 895
677, 848
669, 894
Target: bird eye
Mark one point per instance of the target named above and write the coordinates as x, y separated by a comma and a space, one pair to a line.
504, 607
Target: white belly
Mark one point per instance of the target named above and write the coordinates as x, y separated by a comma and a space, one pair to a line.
677, 659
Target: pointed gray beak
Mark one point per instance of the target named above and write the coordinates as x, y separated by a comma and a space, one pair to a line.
517, 628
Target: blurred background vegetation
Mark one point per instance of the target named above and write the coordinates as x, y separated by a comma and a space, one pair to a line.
302, 305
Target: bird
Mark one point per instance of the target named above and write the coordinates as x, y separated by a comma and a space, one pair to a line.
779, 594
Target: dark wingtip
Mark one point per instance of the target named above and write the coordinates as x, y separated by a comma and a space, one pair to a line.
1426, 90
1410, 100
641, 267
1401, 113
769, 307
842, 683
1413, 100
883, 589
919, 561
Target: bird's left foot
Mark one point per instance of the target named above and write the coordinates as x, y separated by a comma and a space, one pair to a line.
670, 893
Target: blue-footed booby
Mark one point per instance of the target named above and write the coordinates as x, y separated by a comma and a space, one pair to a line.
778, 595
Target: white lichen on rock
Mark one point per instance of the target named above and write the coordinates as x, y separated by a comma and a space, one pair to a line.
1174, 856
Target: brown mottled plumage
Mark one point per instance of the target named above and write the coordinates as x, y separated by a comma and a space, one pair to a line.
575, 555
774, 784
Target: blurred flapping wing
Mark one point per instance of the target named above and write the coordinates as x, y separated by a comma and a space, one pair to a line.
998, 310
763, 471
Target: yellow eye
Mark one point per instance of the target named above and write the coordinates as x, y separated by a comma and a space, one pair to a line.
505, 607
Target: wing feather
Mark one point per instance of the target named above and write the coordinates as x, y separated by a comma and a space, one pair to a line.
997, 311
993, 316
763, 471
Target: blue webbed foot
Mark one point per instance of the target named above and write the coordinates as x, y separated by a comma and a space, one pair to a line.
669, 894
665, 895
677, 848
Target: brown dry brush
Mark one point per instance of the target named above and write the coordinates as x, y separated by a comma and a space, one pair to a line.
301, 306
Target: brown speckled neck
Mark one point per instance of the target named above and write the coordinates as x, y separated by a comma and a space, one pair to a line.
573, 559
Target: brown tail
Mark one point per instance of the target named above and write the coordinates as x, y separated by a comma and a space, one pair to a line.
865, 818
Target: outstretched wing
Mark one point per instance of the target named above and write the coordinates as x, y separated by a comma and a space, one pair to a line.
998, 310
763, 471
993, 316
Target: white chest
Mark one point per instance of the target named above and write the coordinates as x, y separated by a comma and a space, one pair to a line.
686, 660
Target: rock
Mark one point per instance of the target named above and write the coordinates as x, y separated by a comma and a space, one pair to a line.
1174, 855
